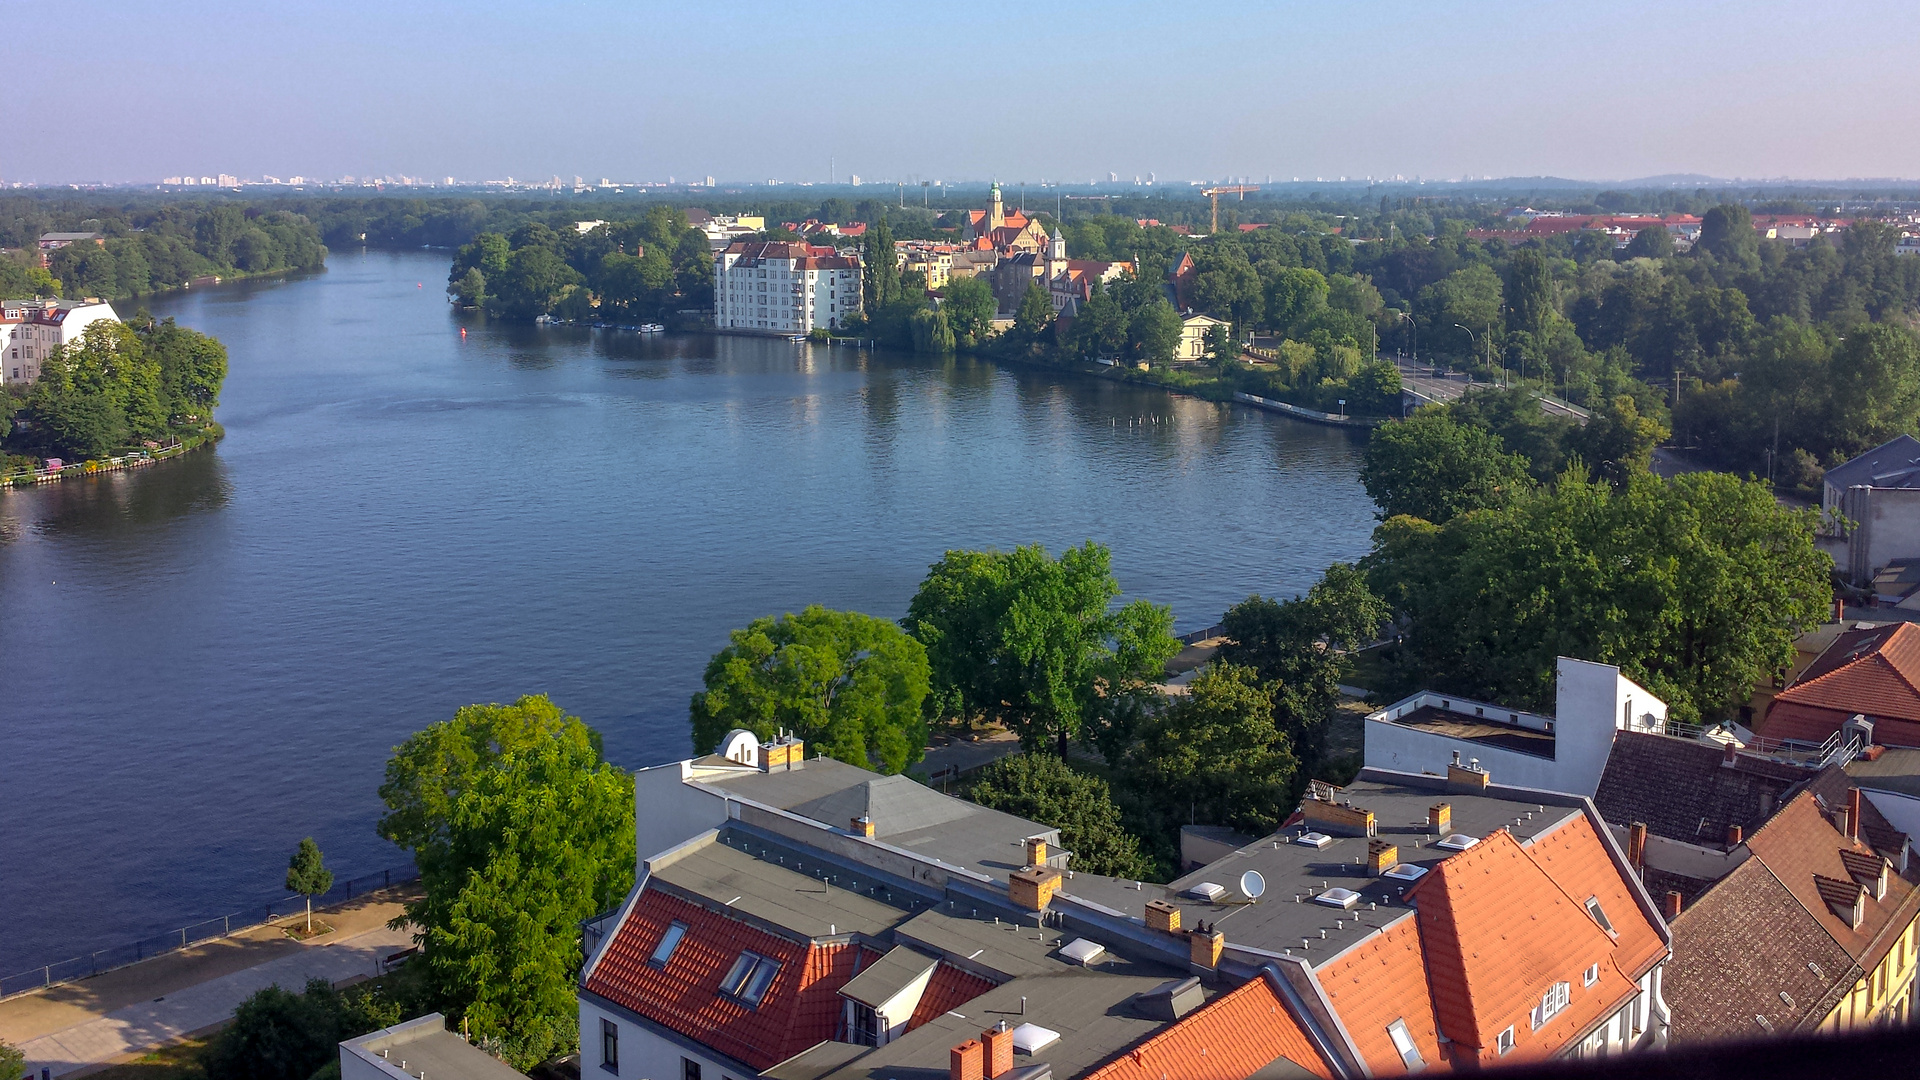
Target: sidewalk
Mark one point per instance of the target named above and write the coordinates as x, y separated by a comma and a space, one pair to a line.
122, 1013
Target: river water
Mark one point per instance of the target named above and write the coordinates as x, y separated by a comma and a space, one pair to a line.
204, 661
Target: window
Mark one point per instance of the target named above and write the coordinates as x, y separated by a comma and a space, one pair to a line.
749, 978
1505, 1041
609, 1046
1592, 976
669, 941
689, 1069
865, 1025
1550, 1005
1403, 1045
1599, 915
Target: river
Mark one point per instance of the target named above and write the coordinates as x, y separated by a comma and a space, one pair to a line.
204, 661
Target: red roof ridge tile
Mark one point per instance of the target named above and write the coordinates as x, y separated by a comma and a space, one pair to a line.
1246, 1029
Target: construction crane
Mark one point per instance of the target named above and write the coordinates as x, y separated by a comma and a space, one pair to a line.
1214, 194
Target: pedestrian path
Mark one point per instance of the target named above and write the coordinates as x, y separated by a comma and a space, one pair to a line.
140, 1027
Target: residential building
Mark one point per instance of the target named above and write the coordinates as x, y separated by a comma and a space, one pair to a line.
1007, 232
1567, 751
1193, 337
54, 241
1869, 677
31, 329
1812, 931
1878, 495
774, 287
724, 229
802, 919
416, 1048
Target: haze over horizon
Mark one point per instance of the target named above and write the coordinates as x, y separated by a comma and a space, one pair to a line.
750, 91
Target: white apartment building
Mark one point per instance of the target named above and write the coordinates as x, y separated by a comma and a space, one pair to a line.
785, 288
31, 329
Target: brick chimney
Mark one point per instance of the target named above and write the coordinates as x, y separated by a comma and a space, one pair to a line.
965, 1062
1735, 835
997, 1043
1731, 757
1673, 904
1032, 888
863, 826
1036, 851
1853, 813
1637, 844
1203, 950
1163, 916
1440, 819
1336, 820
1467, 778
1382, 856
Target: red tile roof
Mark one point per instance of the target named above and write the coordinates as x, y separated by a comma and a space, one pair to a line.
1230, 1038
1499, 933
1381, 980
1802, 847
947, 989
1875, 672
802, 1006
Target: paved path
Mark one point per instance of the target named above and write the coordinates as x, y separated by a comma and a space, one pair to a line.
142, 1026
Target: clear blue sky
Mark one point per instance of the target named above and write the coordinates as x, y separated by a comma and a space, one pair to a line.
748, 90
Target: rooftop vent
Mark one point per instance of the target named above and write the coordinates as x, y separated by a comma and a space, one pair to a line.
1313, 839
1083, 952
1207, 891
1406, 872
1456, 842
1170, 1000
1340, 898
1030, 1039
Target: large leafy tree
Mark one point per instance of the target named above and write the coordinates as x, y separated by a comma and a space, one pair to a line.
1044, 788
1035, 643
1153, 333
1696, 587
969, 307
521, 830
1034, 315
1299, 647
849, 684
1215, 756
879, 268
1431, 466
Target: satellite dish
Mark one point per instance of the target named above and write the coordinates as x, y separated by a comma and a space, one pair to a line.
1252, 884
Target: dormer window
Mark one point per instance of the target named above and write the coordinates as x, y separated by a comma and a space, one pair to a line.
747, 981
1591, 976
1505, 1041
1551, 1002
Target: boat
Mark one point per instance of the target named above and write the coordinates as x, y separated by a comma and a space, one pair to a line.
652, 328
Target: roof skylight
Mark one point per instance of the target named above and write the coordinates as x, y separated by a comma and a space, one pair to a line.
1313, 840
1340, 898
1406, 872
1456, 842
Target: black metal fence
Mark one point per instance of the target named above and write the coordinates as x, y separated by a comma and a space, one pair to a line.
247, 915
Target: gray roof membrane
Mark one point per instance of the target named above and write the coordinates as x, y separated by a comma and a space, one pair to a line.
880, 981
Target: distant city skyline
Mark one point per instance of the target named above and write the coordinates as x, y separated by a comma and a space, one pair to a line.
750, 92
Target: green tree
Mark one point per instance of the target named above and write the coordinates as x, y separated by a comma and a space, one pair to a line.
1300, 647
469, 289
1034, 315
13, 1063
1220, 345
930, 331
1215, 757
1430, 466
1653, 242
849, 684
1101, 328
521, 830
879, 267
1528, 293
1033, 642
1044, 788
307, 874
193, 367
1618, 441
969, 307
534, 281
1375, 389
1726, 232
1153, 333
1469, 298
277, 1034
1294, 294
1875, 387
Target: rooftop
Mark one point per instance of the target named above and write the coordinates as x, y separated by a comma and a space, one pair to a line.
1686, 790
1486, 731
411, 1050
777, 890
1894, 463
1873, 671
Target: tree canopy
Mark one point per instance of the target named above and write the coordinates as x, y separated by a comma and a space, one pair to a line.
120, 385
1216, 757
520, 830
1044, 788
1428, 466
849, 684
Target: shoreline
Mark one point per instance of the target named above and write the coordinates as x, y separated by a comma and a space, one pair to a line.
97, 466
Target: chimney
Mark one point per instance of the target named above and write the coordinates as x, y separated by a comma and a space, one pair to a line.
1729, 759
1203, 951
1637, 844
998, 1046
1032, 888
1163, 916
1734, 836
863, 826
1673, 904
964, 1062
1336, 820
1382, 856
1036, 851
1467, 778
1440, 819
1853, 814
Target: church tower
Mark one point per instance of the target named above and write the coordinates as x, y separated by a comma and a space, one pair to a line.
996, 214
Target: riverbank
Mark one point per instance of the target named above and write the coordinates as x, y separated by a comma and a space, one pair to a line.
56, 469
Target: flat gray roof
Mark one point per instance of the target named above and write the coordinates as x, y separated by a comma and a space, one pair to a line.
774, 894
1897, 769
815, 1061
1003, 949
1480, 730
425, 1046
881, 980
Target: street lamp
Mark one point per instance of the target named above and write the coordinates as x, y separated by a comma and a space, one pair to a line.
1416, 337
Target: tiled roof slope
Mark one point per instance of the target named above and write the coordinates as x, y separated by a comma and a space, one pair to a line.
801, 1008
1673, 785
948, 988
1746, 942
1832, 786
1499, 933
1799, 845
1874, 671
1378, 981
1578, 860
1230, 1038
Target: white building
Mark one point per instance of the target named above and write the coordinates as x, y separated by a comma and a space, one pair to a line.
785, 288
31, 329
1564, 752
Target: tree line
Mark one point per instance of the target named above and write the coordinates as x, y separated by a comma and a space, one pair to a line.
643, 269
151, 248
120, 386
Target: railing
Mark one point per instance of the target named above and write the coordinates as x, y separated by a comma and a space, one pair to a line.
1787, 751
146, 948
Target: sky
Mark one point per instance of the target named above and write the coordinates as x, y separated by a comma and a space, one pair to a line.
746, 90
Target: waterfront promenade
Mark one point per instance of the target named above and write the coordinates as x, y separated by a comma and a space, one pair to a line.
74, 1028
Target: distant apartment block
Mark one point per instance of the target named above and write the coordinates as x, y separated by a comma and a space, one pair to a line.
783, 288
31, 329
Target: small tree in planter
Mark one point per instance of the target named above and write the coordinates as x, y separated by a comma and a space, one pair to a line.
307, 874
